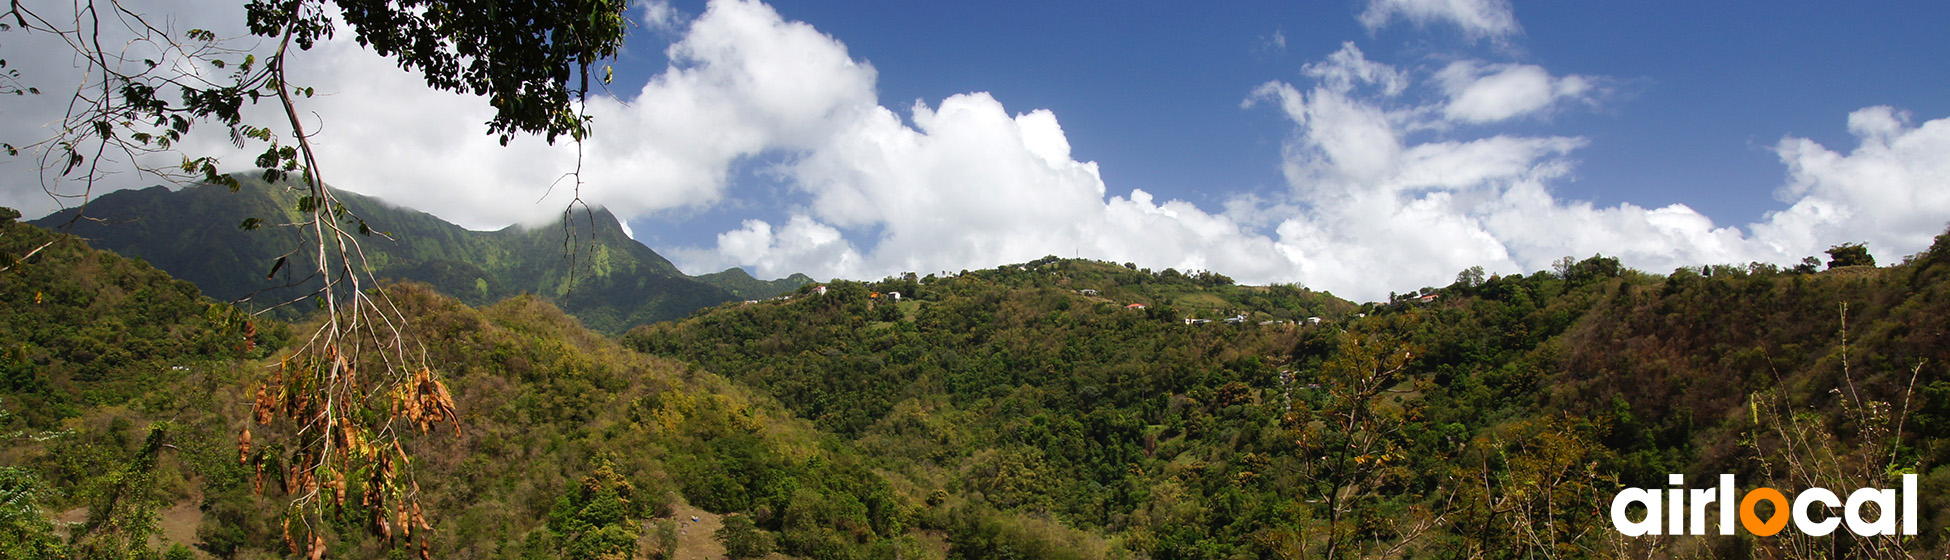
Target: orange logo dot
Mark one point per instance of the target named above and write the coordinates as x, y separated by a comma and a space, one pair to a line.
1753, 523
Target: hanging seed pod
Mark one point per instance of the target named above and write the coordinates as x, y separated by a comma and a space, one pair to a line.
264, 407
338, 489
405, 528
244, 445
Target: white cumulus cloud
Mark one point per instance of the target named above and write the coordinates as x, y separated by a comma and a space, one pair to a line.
1382, 211
1892, 190
968, 185
742, 82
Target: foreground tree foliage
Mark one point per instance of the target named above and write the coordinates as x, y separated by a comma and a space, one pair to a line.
143, 94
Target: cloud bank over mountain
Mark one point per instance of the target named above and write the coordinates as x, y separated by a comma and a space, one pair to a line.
1397, 176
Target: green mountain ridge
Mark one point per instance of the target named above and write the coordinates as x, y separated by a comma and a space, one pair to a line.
586, 264
743, 285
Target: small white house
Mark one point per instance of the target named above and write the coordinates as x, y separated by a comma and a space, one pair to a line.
896, 296
1088, 292
821, 290
1313, 320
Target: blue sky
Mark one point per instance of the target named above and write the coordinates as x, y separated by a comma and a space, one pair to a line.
1151, 90
1359, 146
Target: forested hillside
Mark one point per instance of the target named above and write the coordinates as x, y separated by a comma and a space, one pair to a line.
126, 392
1493, 417
1052, 409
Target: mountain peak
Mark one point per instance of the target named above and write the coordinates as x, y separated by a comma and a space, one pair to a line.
584, 262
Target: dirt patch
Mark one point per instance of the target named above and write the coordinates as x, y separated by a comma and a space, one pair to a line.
179, 522
175, 525
696, 540
68, 520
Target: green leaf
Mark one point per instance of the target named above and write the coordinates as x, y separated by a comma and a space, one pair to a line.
307, 204
274, 268
251, 224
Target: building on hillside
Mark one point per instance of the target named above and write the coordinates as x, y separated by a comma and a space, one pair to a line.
1088, 292
1313, 320
1135, 306
820, 289
896, 296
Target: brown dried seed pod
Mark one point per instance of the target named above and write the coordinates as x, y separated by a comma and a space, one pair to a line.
244, 445
265, 407
399, 516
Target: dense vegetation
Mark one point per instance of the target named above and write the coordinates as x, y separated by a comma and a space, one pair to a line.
568, 445
83, 328
604, 278
1492, 417
1053, 409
